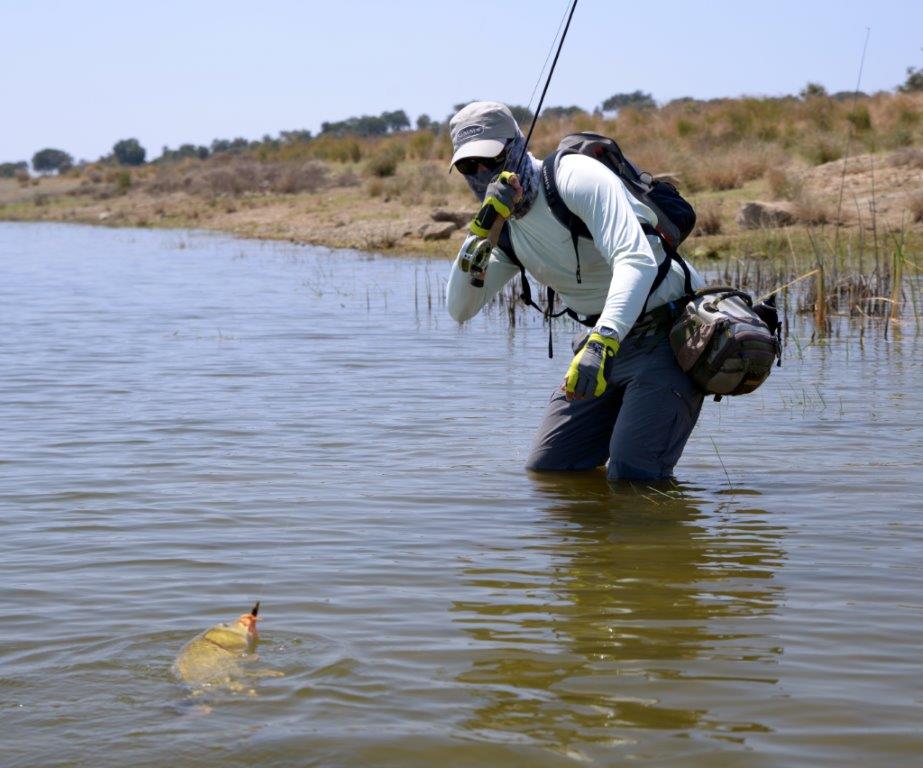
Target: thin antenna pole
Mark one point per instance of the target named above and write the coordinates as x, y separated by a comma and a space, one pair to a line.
855, 101
541, 100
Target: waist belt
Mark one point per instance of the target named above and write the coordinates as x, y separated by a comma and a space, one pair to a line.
658, 319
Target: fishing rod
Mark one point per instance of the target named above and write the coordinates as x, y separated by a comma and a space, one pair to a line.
487, 218
541, 99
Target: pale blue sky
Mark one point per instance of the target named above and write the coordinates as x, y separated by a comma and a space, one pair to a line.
81, 75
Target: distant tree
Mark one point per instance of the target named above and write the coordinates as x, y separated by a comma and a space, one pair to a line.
48, 160
229, 145
295, 137
367, 125
396, 121
424, 122
812, 90
848, 95
914, 81
184, 151
558, 112
129, 152
636, 99
8, 170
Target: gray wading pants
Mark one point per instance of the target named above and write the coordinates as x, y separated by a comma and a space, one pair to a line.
640, 424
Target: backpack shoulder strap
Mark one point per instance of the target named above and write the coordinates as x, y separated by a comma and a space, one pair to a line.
505, 243
663, 268
578, 228
550, 187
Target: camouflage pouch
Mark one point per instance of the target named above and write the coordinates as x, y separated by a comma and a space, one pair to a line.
723, 343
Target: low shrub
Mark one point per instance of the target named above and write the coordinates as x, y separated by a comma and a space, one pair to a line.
822, 151
336, 149
122, 182
720, 178
384, 162
908, 157
308, 177
859, 118
421, 144
915, 205
782, 184
375, 187
809, 210
708, 220
382, 165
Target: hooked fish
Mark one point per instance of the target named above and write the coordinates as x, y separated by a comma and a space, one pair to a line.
214, 657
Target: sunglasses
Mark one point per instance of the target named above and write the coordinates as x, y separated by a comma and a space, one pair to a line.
468, 166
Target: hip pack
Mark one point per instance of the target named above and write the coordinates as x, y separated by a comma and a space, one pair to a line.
725, 344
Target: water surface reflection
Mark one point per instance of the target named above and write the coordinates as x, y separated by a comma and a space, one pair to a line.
656, 602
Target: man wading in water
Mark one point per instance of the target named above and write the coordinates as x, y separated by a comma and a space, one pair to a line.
624, 398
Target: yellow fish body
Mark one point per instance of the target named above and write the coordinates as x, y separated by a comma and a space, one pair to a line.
213, 658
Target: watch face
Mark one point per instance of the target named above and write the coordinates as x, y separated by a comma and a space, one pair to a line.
609, 333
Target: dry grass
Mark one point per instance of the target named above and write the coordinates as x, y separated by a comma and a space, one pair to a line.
722, 153
708, 220
236, 175
783, 184
808, 209
916, 207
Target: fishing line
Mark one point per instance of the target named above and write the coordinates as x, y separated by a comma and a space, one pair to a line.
855, 101
541, 72
541, 100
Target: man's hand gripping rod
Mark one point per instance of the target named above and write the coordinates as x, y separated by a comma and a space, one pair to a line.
501, 195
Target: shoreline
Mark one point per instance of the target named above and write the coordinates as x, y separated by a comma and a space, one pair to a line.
357, 216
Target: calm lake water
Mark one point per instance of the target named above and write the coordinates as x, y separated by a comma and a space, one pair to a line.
192, 422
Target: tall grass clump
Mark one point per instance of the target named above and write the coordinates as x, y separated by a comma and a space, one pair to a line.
385, 161
916, 207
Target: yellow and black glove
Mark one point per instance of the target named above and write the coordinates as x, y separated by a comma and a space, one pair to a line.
586, 376
498, 201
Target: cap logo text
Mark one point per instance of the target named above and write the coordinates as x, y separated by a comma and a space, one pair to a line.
469, 132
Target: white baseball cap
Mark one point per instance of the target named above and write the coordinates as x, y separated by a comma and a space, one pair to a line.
482, 129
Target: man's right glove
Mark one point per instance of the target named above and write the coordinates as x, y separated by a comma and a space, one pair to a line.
586, 376
498, 201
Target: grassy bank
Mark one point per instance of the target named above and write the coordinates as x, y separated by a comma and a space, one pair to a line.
843, 180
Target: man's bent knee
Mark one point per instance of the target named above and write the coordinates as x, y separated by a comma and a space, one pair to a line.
620, 470
554, 461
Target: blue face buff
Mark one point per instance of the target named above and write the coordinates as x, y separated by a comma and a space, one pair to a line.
526, 167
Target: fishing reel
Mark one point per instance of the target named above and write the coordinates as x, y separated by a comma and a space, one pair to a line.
474, 259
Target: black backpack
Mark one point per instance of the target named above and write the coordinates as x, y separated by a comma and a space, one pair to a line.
675, 216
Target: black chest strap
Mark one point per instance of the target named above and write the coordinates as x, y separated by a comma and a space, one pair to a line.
578, 228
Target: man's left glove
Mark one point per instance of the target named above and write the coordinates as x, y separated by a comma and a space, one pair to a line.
498, 201
586, 376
